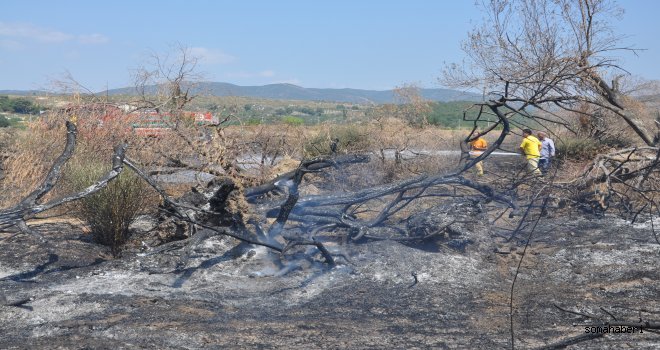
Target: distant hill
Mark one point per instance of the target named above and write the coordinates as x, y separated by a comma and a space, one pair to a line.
650, 99
294, 92
291, 92
24, 92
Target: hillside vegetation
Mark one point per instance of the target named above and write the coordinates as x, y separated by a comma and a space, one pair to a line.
257, 111
294, 92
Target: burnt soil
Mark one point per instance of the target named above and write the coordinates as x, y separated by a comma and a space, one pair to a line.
226, 295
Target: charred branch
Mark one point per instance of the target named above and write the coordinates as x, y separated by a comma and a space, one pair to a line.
622, 174
330, 212
324, 251
189, 214
502, 120
55, 172
28, 207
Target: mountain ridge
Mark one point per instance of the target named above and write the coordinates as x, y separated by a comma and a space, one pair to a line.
286, 91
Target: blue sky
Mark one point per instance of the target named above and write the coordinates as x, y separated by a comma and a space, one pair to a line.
375, 44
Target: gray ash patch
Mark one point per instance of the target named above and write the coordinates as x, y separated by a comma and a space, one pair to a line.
229, 297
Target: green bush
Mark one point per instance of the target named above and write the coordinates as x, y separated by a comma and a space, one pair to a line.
18, 105
110, 211
4, 122
253, 121
578, 148
350, 140
291, 120
448, 114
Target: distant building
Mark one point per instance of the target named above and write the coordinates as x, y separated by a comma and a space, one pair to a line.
152, 123
145, 122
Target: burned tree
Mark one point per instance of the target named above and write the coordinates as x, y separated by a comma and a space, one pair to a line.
165, 85
554, 56
166, 81
545, 64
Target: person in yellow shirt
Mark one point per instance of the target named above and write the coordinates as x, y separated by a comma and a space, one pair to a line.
477, 148
531, 148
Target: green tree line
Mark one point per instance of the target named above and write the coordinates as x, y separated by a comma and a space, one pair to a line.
18, 105
448, 114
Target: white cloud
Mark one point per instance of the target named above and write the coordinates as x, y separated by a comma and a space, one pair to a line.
211, 56
93, 39
21, 31
29, 31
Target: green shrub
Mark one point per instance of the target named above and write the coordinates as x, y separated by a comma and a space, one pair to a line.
4, 122
18, 105
291, 120
578, 148
110, 211
253, 121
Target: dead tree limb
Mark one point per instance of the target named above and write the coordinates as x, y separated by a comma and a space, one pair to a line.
187, 214
177, 209
502, 120
55, 172
324, 251
288, 205
291, 199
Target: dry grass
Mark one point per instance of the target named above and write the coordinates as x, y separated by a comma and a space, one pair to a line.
279, 148
28, 160
33, 150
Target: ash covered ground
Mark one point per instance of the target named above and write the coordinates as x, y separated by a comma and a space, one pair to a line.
435, 295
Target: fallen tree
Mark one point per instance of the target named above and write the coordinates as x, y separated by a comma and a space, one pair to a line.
316, 214
312, 215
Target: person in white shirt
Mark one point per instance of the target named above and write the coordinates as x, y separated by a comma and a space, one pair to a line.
547, 152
